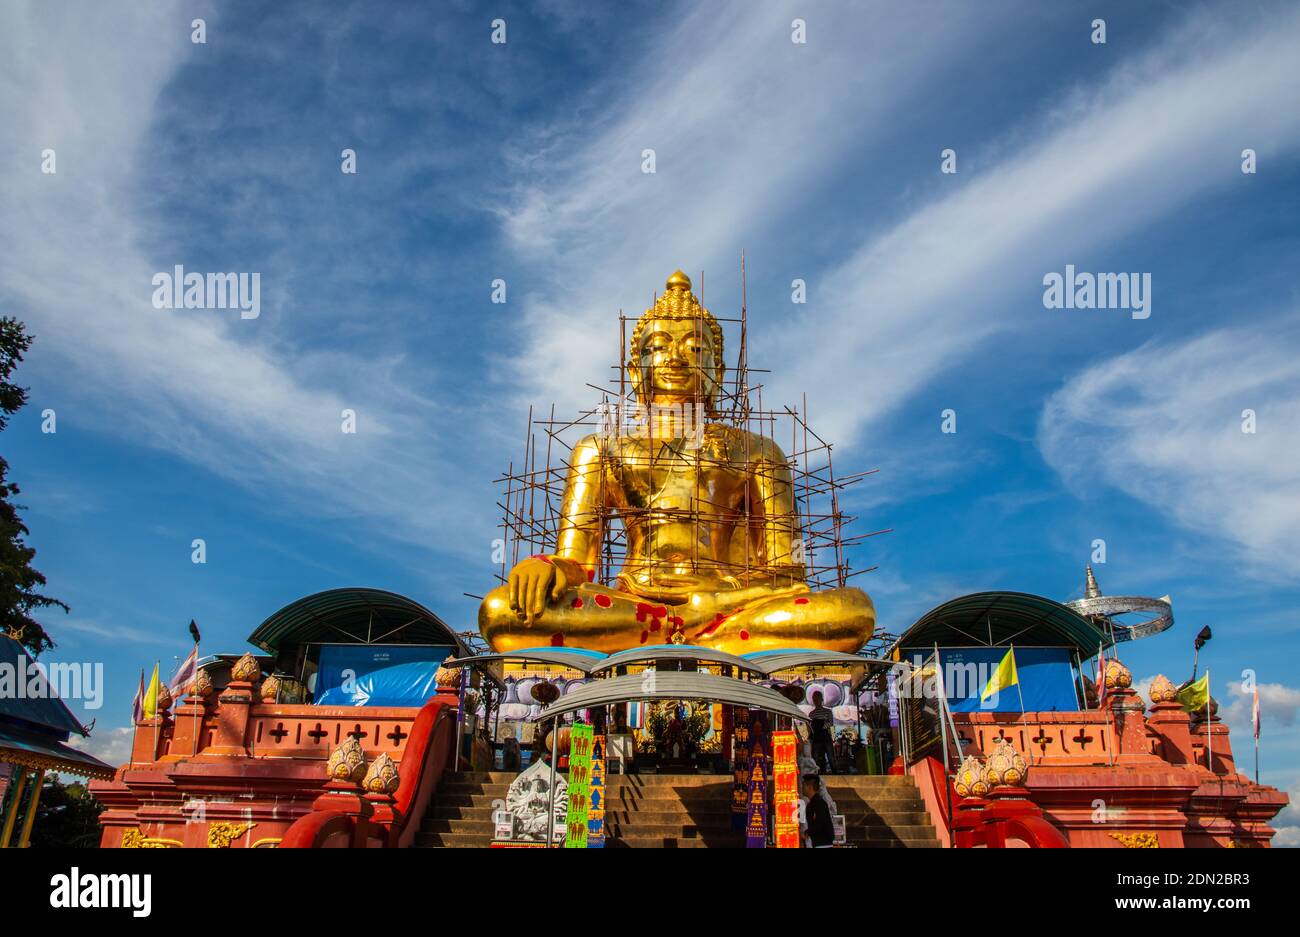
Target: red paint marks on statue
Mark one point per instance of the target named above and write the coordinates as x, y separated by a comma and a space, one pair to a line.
711, 626
604, 601
654, 625
654, 611
645, 635
540, 556
744, 635
591, 575
676, 622
557, 640
576, 603
800, 601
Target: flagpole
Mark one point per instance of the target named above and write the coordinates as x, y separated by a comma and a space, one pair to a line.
1101, 690
943, 728
194, 725
1021, 694
135, 726
1209, 729
156, 718
1254, 727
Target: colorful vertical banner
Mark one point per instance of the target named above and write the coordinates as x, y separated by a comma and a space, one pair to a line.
785, 797
756, 793
596, 812
740, 781
575, 821
756, 806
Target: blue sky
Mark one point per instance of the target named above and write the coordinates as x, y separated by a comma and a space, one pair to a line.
523, 161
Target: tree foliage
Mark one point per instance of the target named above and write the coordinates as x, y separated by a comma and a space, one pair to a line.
20, 582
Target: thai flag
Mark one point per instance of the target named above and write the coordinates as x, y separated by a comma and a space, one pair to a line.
185, 674
1101, 676
137, 705
635, 715
1254, 713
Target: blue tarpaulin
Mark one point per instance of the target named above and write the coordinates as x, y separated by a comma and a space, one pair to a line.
378, 675
1047, 679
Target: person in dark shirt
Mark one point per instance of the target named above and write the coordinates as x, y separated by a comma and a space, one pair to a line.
823, 745
817, 816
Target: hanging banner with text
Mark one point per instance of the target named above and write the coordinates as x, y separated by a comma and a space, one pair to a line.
596, 812
785, 798
575, 823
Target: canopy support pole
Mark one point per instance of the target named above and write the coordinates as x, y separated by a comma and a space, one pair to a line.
555, 757
11, 814
37, 780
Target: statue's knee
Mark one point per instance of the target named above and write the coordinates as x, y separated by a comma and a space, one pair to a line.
494, 612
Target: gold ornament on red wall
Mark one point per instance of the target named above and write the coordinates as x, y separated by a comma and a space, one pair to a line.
1118, 676
347, 762
382, 778
246, 669
1005, 767
1162, 690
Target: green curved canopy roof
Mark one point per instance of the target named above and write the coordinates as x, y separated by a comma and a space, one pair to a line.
354, 616
995, 619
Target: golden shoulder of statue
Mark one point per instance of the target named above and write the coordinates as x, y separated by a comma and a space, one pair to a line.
713, 552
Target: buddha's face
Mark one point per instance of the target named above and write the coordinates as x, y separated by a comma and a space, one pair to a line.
676, 362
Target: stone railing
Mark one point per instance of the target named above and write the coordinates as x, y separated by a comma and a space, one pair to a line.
1121, 775
232, 769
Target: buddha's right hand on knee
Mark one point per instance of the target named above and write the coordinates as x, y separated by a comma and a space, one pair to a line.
539, 580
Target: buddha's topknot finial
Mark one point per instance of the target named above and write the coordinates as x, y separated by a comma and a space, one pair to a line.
679, 281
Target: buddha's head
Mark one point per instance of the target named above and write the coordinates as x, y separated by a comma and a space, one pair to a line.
676, 351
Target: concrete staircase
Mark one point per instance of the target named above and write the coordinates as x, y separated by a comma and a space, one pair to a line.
683, 811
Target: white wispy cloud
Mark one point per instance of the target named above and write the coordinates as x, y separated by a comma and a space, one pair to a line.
110, 745
914, 299
1164, 424
237, 397
924, 295
744, 123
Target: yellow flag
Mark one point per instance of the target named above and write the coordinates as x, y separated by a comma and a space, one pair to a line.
150, 704
1003, 677
1196, 695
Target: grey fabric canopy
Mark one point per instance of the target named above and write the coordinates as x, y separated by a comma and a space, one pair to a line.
672, 685
777, 661
663, 652
559, 657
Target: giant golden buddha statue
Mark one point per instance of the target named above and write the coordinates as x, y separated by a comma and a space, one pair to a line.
713, 539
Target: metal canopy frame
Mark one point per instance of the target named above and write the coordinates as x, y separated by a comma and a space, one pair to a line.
672, 685
677, 652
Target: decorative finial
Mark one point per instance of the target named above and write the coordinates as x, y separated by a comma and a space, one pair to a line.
1118, 677
969, 781
1162, 690
347, 762
679, 281
382, 777
201, 686
246, 669
1090, 588
1005, 767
